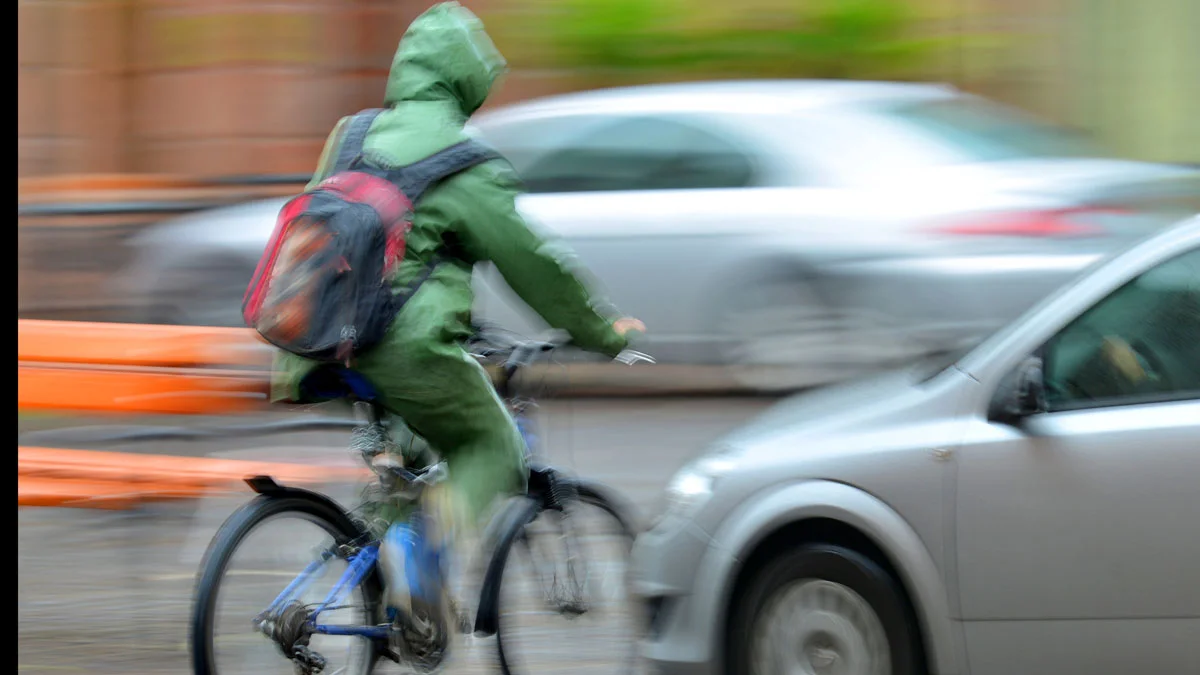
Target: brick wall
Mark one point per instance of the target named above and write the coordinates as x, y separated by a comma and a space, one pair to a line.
185, 87
220, 87
197, 87
72, 86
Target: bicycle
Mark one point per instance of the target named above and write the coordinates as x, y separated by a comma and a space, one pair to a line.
551, 505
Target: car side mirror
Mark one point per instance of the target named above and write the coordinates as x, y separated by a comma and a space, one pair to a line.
1021, 394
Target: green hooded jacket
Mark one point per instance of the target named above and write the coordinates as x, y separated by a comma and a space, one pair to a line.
442, 73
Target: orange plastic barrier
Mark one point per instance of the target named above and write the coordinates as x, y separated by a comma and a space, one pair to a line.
98, 479
123, 344
173, 469
165, 391
98, 367
90, 494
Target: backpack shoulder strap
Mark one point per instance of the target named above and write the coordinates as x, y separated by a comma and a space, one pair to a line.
353, 138
416, 178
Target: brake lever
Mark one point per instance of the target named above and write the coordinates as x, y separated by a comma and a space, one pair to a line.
630, 357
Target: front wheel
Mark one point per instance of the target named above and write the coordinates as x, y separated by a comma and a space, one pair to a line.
258, 551
565, 603
823, 609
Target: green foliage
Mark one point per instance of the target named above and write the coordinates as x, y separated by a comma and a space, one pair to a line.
622, 39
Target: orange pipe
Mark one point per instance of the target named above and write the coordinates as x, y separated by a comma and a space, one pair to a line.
168, 469
117, 480
118, 344
193, 477
92, 493
145, 390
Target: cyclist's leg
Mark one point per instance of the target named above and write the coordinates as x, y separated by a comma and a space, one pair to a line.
447, 398
455, 409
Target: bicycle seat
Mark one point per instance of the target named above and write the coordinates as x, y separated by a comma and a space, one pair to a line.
328, 382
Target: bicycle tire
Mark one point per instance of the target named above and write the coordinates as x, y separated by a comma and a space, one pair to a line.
226, 541
528, 512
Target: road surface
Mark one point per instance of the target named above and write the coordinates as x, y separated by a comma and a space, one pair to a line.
109, 591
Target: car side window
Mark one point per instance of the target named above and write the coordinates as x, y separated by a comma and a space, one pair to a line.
526, 142
1139, 344
640, 153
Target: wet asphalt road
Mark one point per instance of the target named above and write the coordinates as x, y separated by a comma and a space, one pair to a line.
110, 591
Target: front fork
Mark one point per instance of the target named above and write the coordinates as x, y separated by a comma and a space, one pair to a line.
567, 595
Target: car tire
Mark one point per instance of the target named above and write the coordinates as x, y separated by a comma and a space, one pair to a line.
822, 608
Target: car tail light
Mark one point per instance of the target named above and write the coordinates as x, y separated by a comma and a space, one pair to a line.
1056, 223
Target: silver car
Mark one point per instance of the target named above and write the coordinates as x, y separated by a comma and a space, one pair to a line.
1032, 507
803, 231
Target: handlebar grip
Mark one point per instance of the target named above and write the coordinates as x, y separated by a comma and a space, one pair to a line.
630, 357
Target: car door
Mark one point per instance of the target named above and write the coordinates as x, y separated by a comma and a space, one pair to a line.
639, 199
1078, 532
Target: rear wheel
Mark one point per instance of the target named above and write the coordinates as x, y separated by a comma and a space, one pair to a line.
823, 610
259, 550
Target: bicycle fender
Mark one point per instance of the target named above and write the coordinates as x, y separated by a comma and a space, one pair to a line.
507, 527
268, 487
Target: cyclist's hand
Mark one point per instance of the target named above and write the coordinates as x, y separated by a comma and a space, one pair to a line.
628, 323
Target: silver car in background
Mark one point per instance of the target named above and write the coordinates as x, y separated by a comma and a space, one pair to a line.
1032, 507
801, 231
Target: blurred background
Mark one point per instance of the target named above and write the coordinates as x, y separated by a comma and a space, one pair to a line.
788, 192
130, 112
242, 87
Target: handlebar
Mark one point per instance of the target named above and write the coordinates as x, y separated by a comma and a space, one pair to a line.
490, 342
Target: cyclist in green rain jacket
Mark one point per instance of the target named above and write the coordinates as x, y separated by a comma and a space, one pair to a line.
442, 72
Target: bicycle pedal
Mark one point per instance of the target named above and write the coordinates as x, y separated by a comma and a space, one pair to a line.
422, 641
307, 662
417, 650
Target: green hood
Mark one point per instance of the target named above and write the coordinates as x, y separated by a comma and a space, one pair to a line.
445, 55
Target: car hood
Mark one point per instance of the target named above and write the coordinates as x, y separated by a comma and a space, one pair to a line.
881, 435
899, 410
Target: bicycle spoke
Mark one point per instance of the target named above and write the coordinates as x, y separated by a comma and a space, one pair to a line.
558, 607
257, 576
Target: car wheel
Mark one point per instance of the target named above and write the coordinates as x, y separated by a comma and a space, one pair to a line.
781, 334
823, 610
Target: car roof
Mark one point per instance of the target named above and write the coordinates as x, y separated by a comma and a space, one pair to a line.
723, 96
1168, 242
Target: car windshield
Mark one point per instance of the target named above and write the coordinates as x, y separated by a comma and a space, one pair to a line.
977, 131
935, 363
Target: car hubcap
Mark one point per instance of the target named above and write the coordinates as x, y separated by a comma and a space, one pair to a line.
817, 627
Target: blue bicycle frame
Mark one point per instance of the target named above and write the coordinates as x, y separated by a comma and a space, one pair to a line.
360, 565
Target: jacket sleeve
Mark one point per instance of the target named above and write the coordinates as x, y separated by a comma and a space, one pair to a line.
539, 269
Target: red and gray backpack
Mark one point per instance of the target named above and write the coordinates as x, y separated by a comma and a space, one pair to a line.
322, 287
